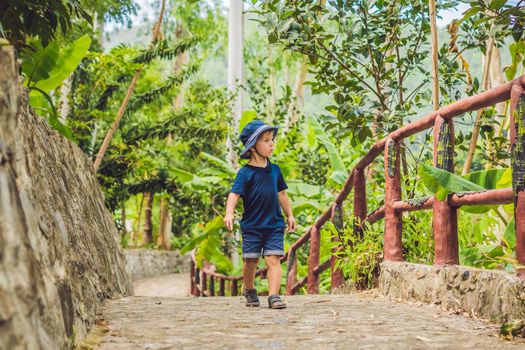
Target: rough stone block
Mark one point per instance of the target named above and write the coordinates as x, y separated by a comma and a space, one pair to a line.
141, 263
494, 295
60, 256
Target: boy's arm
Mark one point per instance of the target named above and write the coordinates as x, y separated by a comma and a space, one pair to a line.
231, 203
284, 201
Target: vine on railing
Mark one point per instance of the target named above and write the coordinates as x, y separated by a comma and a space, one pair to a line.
445, 216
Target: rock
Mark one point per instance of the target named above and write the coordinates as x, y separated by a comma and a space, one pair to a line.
141, 263
490, 294
60, 257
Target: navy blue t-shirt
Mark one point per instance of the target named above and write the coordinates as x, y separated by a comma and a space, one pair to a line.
258, 187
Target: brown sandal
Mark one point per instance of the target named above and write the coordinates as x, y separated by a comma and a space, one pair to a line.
275, 302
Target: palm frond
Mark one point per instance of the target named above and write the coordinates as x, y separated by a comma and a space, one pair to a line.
176, 124
164, 51
150, 96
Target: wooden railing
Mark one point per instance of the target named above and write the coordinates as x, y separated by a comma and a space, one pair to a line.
445, 228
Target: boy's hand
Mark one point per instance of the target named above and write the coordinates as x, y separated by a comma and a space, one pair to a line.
228, 221
291, 224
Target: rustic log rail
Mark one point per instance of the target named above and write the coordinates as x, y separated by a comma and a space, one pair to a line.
444, 212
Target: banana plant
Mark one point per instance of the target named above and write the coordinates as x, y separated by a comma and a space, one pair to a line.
441, 183
45, 68
308, 197
207, 244
339, 172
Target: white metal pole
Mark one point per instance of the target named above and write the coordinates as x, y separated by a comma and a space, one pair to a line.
235, 79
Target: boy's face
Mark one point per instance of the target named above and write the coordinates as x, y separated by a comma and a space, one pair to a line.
265, 144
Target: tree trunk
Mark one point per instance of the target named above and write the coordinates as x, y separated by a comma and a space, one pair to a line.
64, 107
136, 229
477, 123
496, 78
123, 218
98, 24
148, 224
453, 47
297, 101
124, 104
166, 218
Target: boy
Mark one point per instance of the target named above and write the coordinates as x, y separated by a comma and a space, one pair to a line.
262, 188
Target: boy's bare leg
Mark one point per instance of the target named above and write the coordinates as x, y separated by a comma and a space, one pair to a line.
274, 273
248, 272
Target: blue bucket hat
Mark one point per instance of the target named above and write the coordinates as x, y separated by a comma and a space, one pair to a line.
251, 132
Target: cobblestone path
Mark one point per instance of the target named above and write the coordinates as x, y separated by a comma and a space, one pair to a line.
351, 321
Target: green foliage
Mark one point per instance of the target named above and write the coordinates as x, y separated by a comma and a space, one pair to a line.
45, 68
360, 258
164, 51
442, 183
208, 243
49, 67
517, 54
171, 82
362, 54
503, 17
339, 173
42, 19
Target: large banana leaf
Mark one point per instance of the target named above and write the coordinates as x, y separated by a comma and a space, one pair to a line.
208, 246
246, 117
193, 181
506, 179
488, 179
219, 163
304, 190
38, 61
67, 62
442, 183
509, 236
339, 172
47, 67
211, 227
301, 205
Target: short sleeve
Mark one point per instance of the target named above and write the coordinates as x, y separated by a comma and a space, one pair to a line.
239, 184
281, 184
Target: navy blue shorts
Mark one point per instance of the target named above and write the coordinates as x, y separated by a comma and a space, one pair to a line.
262, 242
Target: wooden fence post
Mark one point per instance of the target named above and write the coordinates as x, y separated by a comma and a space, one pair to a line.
517, 139
291, 272
445, 217
313, 261
234, 288
393, 246
360, 210
337, 220
192, 278
204, 284
221, 287
212, 286
197, 282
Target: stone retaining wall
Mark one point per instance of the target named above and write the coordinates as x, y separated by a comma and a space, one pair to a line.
60, 256
142, 263
488, 294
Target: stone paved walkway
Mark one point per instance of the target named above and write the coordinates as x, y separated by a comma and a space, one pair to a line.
354, 321
168, 286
